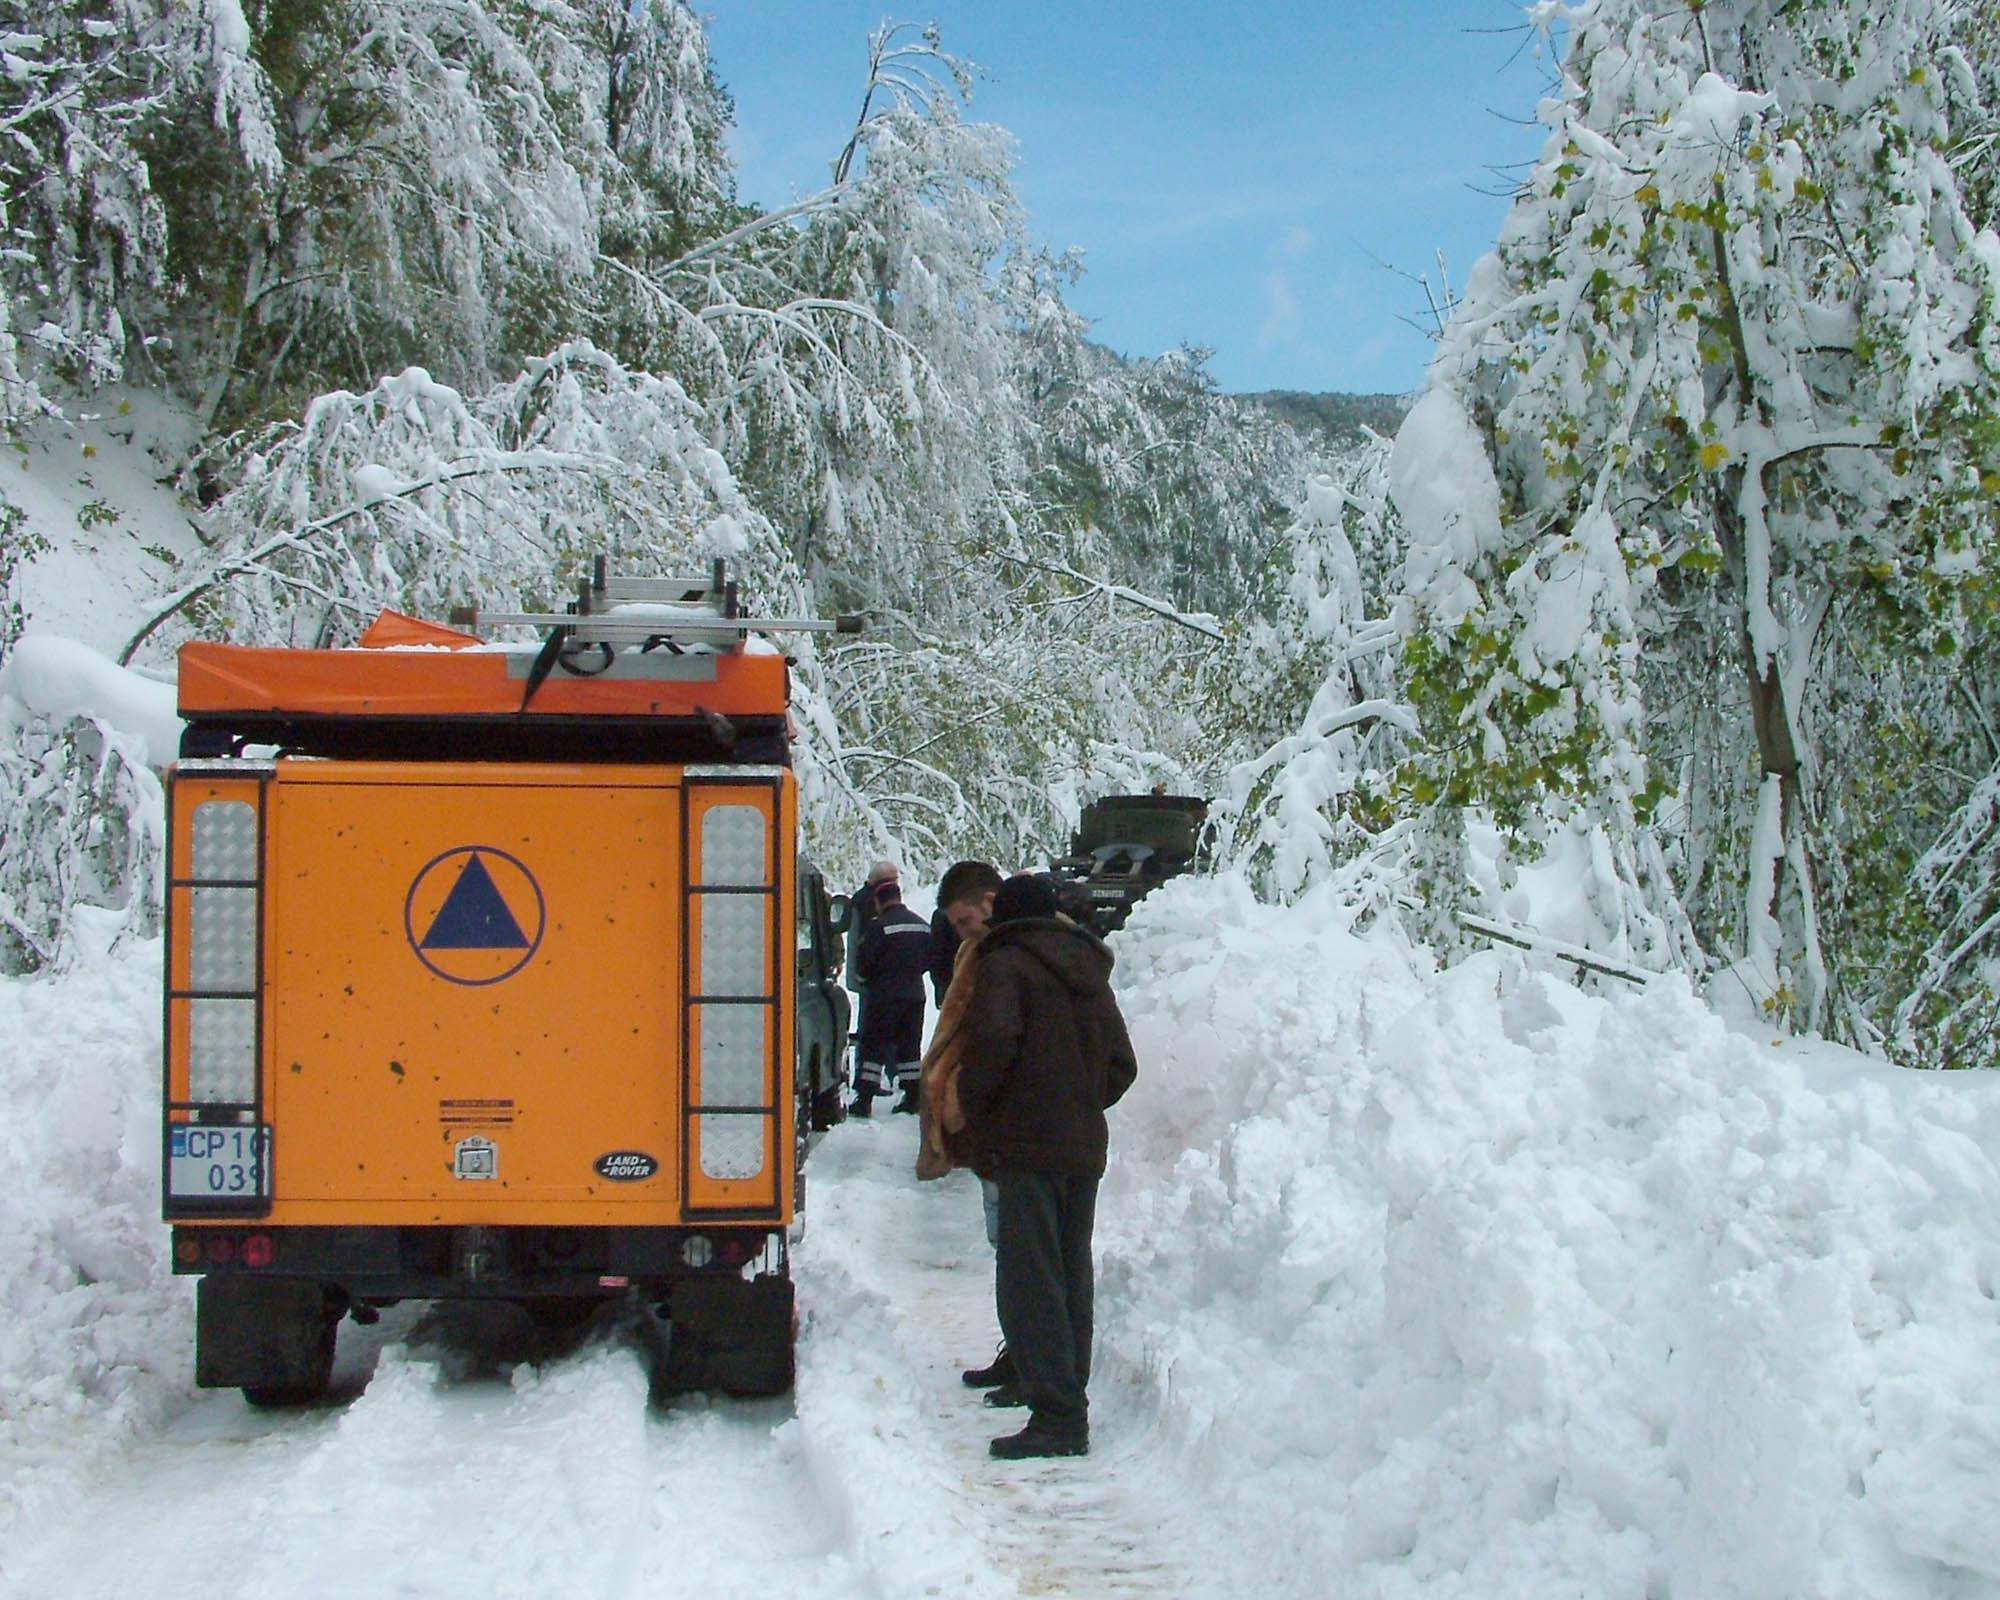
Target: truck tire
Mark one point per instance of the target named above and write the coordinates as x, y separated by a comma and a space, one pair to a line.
273, 1338
271, 1396
728, 1335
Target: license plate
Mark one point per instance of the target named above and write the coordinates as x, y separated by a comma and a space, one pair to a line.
206, 1163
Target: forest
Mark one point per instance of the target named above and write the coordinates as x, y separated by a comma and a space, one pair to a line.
1683, 566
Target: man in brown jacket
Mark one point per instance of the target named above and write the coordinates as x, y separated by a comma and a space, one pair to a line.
1045, 1053
965, 901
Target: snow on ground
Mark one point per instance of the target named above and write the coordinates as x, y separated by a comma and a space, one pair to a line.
1479, 1285
96, 489
94, 1332
1466, 1283
447, 1461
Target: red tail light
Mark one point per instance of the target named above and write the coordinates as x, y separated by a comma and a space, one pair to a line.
259, 1250
221, 1248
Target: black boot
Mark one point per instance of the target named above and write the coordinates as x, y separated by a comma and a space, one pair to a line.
1000, 1370
861, 1105
1008, 1397
909, 1101
1040, 1438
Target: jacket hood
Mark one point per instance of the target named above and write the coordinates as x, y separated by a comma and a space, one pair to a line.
1076, 957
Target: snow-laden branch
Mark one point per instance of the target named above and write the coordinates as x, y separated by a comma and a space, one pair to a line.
1576, 955
300, 538
814, 205
1197, 622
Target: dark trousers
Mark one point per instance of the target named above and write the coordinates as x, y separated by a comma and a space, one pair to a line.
1044, 1286
891, 1043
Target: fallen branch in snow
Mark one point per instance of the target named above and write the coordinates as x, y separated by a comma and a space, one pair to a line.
1528, 939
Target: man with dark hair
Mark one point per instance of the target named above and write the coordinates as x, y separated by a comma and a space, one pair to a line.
1045, 1053
894, 953
965, 895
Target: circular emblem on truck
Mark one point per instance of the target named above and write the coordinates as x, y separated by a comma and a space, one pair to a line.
626, 1166
474, 915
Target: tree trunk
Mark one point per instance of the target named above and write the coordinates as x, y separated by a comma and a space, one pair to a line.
1779, 876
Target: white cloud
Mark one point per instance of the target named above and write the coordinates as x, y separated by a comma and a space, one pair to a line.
1282, 321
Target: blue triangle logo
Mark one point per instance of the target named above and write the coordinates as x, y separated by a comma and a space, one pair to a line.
474, 917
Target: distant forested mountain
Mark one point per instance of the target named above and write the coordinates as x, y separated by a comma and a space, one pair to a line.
1339, 421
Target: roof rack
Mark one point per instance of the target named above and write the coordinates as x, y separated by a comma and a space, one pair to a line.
672, 612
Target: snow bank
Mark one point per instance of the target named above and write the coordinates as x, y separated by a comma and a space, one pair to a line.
94, 1330
1475, 1285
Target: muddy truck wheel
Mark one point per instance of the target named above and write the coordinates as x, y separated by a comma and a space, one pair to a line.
724, 1334
271, 1338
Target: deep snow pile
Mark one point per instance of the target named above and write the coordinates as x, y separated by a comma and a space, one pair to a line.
1473, 1284
94, 1331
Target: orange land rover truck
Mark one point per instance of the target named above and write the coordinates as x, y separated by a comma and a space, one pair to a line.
481, 982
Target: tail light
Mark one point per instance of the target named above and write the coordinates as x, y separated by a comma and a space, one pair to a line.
734, 1248
727, 1247
259, 1250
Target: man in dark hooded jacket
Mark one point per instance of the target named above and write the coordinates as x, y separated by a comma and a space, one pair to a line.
1046, 1052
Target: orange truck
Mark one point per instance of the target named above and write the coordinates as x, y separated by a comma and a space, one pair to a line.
484, 965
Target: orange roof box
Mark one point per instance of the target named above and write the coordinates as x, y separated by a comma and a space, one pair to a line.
439, 672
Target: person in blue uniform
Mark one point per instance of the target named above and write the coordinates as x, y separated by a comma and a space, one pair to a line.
891, 965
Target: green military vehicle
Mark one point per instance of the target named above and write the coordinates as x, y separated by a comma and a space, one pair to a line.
1126, 846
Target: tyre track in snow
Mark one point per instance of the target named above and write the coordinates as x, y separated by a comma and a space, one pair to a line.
445, 1467
447, 1464
902, 1269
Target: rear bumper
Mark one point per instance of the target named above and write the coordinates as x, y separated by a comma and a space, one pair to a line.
501, 1263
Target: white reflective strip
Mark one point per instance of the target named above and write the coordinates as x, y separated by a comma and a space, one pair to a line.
222, 1051
732, 1074
733, 847
222, 939
733, 941
731, 1147
223, 840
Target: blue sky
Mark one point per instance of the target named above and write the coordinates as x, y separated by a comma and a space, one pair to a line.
1235, 175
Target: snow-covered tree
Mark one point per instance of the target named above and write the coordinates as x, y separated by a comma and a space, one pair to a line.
1734, 363
419, 497
1316, 690
86, 233
424, 195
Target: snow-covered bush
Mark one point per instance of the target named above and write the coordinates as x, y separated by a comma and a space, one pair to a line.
86, 827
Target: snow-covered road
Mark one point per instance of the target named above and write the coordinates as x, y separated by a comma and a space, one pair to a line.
448, 1465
